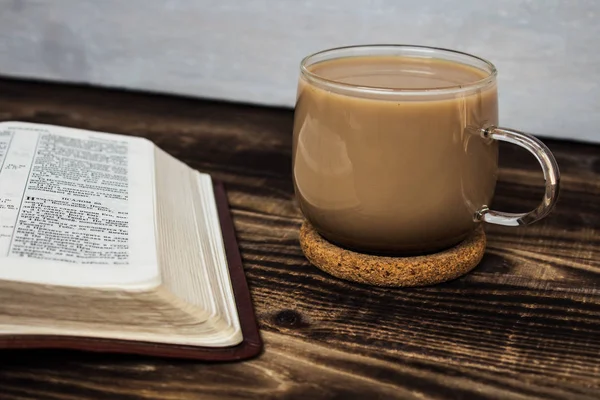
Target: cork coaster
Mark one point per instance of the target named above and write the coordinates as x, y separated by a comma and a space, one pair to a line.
392, 271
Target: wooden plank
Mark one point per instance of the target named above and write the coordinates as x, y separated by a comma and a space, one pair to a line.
525, 324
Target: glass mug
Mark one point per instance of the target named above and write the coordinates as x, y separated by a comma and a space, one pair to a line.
395, 148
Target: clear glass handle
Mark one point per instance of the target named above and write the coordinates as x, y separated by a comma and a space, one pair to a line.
551, 176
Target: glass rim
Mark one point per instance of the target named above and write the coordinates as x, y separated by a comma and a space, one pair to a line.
312, 77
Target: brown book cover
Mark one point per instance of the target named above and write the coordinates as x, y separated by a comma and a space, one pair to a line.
249, 347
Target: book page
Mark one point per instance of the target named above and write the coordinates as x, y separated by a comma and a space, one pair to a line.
79, 202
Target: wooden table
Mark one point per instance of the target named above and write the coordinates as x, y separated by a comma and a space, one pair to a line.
525, 324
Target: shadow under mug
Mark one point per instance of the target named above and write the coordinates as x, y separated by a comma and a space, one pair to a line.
403, 169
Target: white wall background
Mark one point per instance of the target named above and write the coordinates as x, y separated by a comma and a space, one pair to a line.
547, 51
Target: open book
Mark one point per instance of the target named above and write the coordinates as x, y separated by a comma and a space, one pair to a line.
108, 243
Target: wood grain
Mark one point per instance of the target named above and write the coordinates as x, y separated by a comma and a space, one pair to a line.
525, 324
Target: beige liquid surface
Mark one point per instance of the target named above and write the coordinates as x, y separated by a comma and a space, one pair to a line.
394, 175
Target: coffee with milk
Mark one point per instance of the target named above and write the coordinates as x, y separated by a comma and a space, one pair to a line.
394, 175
